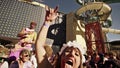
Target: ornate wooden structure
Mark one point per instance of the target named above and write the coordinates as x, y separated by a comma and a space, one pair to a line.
94, 39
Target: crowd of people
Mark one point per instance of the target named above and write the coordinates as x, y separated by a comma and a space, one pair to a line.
27, 40
70, 55
23, 53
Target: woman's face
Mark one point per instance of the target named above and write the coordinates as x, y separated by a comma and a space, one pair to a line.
70, 58
25, 57
32, 26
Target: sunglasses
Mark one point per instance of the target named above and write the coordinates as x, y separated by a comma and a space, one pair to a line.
26, 55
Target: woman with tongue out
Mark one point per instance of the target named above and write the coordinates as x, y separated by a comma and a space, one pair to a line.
70, 55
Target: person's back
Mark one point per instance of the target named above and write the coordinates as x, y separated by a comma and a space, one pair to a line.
28, 64
4, 53
4, 64
14, 64
33, 59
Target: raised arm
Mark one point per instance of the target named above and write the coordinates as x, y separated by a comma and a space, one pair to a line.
22, 33
51, 15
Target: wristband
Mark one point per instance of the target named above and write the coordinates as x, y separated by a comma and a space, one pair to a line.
46, 25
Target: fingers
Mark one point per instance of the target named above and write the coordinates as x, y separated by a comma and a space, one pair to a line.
51, 10
46, 8
51, 14
56, 9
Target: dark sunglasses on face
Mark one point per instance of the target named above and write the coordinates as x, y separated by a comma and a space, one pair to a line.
26, 55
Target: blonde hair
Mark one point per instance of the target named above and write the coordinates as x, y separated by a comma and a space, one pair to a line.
4, 50
25, 51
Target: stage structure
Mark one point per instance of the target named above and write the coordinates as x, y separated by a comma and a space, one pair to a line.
89, 25
96, 16
16, 14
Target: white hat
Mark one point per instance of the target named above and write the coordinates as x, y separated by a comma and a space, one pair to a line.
76, 45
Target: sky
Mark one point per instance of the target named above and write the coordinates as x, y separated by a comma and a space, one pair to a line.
115, 21
67, 6
64, 5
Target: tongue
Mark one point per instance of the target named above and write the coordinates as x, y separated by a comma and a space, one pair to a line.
68, 66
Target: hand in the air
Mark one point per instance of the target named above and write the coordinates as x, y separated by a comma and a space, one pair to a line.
51, 14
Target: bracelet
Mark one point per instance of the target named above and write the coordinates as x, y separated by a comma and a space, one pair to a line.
46, 25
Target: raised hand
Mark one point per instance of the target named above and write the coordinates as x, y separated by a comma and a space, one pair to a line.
51, 14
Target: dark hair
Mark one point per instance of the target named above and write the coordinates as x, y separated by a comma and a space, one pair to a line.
34, 23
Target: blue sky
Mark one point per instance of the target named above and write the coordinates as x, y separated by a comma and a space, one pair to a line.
64, 5
67, 6
115, 21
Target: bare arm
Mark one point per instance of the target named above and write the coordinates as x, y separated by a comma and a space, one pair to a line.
34, 38
22, 33
40, 41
